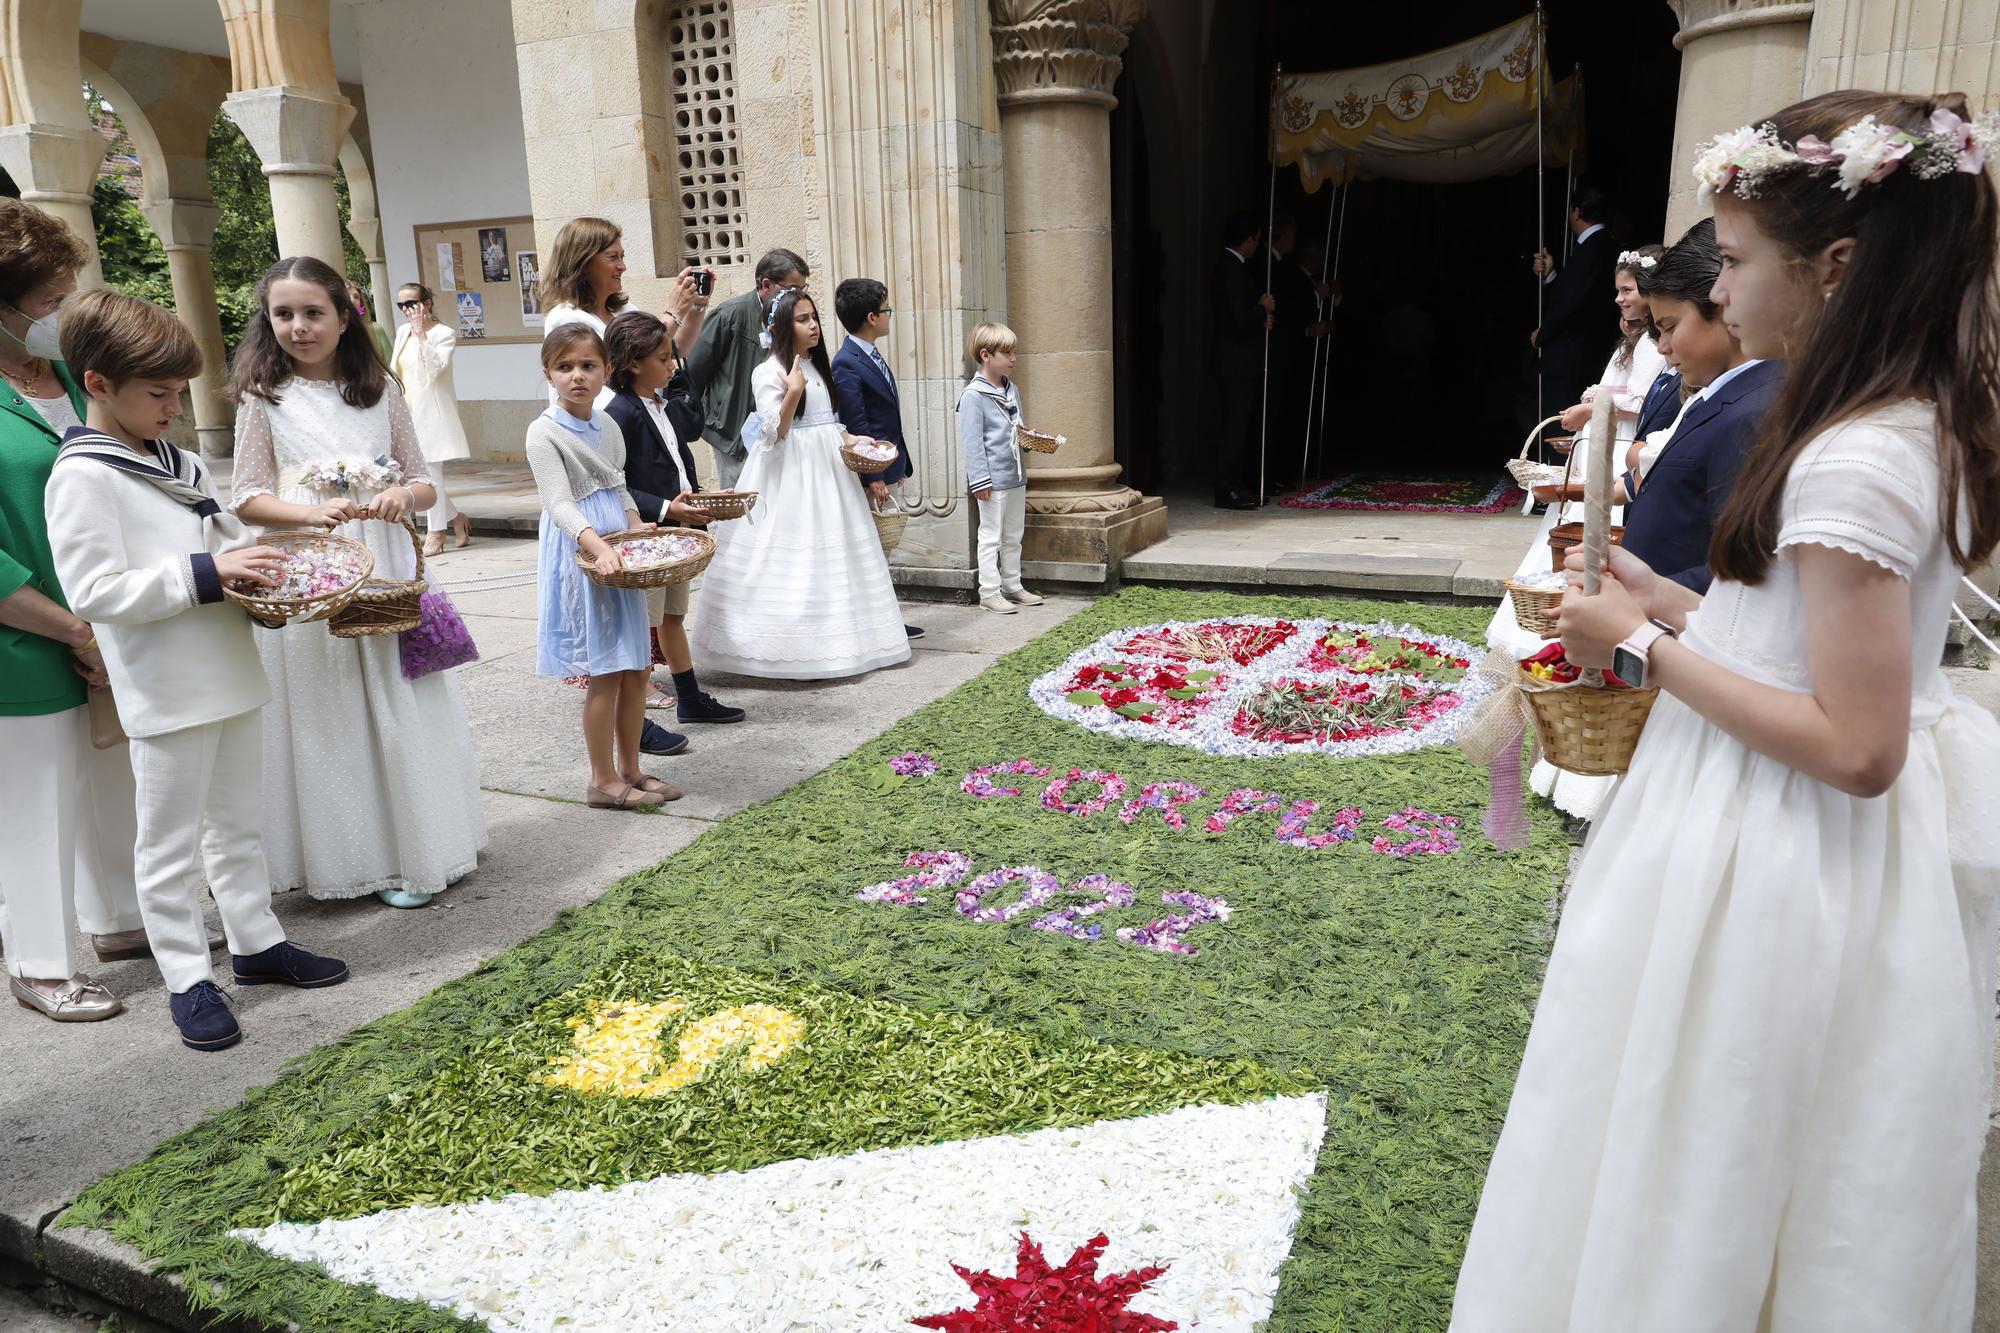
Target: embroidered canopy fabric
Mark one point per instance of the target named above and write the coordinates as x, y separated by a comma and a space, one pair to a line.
1462, 113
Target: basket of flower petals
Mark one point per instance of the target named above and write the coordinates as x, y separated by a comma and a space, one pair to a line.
1535, 598
868, 456
890, 520
385, 606
322, 574
1037, 441
1585, 730
1562, 444
721, 506
655, 559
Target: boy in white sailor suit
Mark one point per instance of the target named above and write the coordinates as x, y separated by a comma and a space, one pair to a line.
142, 547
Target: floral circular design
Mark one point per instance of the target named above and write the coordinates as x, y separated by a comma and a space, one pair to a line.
1260, 687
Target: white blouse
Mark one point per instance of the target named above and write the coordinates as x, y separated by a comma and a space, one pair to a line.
1628, 384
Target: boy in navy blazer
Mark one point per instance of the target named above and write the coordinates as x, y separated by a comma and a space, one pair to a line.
864, 388
1668, 524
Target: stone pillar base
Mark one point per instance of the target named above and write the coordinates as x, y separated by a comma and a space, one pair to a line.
1091, 544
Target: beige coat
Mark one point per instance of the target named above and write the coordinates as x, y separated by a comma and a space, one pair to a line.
425, 369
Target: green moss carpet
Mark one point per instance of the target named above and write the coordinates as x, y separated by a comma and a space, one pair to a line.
1401, 986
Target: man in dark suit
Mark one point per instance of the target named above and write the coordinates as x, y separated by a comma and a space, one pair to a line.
1241, 313
1669, 523
1579, 320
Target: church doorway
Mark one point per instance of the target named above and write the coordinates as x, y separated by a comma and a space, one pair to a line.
1432, 370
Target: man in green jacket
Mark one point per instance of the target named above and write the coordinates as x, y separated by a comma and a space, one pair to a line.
732, 345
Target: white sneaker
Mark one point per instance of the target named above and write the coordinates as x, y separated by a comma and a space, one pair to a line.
1021, 597
998, 603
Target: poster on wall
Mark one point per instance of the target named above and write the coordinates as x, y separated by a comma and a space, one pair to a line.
471, 315
460, 259
528, 264
493, 254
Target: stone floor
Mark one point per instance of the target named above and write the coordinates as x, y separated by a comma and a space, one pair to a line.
1464, 555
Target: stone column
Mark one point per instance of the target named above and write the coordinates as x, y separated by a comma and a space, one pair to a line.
284, 98
47, 144
1740, 59
294, 134
1056, 62
186, 228
367, 234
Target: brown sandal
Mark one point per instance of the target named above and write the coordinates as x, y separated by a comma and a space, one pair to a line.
629, 798
653, 786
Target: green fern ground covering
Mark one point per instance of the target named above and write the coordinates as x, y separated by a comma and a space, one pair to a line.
1402, 986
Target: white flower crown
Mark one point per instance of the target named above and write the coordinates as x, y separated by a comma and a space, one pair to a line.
1864, 153
1633, 259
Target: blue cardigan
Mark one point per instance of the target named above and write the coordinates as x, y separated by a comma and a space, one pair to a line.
1670, 523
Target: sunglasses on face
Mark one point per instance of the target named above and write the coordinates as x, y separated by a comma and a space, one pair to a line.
408, 305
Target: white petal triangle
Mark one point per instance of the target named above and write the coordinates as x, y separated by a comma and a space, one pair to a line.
860, 1243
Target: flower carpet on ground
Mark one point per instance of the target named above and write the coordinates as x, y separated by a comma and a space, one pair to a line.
1261, 686
995, 972
1449, 495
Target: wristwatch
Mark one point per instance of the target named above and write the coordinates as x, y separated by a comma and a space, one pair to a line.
1629, 660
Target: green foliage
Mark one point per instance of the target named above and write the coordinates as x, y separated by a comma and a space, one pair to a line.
130, 252
1403, 987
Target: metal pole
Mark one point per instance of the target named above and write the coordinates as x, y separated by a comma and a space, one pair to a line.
1569, 167
1323, 355
1541, 206
1313, 386
1270, 220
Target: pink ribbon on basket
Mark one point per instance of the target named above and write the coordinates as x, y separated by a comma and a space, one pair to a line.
1492, 738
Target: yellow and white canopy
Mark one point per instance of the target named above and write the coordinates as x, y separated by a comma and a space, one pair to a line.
1461, 113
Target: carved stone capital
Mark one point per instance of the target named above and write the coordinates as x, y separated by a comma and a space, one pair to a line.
1703, 18
1061, 50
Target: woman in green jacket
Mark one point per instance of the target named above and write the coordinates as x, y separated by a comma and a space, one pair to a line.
67, 824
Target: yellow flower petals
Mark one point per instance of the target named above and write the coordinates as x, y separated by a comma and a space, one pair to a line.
618, 1046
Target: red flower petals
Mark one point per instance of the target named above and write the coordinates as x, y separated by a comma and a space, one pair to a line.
1041, 1299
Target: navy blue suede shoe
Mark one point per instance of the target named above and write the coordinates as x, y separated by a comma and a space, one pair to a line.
285, 964
656, 739
203, 1017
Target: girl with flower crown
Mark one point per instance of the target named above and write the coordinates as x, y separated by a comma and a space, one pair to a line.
1756, 1088
370, 785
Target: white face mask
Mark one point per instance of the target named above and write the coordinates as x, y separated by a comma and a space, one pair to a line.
41, 339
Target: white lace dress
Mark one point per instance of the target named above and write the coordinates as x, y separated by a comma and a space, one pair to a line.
369, 778
1756, 1089
801, 589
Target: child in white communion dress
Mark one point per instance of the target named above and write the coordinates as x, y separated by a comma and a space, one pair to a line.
1756, 1089
801, 589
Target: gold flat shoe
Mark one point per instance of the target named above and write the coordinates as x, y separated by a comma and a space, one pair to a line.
78, 1000
626, 798
125, 944
653, 786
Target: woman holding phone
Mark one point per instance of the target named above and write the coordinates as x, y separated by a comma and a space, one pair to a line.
422, 362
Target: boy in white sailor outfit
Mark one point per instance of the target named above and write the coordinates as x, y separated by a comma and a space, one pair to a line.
143, 547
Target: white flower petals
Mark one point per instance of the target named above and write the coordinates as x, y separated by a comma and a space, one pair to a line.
861, 1243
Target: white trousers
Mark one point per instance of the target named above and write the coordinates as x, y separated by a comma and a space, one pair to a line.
439, 516
66, 835
1002, 516
201, 804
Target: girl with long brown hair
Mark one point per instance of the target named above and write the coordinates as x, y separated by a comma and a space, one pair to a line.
370, 785
1756, 1089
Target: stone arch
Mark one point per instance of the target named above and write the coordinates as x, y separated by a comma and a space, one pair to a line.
364, 222
131, 112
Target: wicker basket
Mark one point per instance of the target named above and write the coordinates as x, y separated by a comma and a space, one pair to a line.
1037, 441
1562, 444
1590, 732
889, 525
721, 506
655, 576
1535, 607
1527, 474
1563, 536
866, 466
274, 612
385, 606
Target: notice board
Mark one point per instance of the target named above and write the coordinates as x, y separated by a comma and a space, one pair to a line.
484, 274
